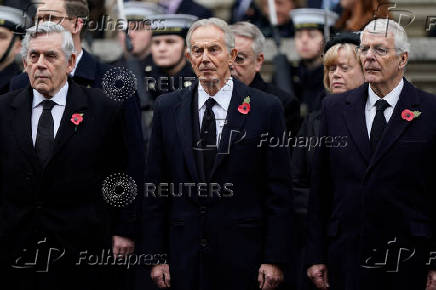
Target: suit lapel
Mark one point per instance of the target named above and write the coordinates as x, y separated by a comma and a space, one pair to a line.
76, 103
22, 125
233, 128
354, 115
408, 100
184, 129
85, 71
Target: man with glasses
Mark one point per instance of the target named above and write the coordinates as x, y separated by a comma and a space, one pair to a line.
371, 216
249, 42
71, 14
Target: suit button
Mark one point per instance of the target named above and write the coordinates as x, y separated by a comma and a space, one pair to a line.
203, 210
203, 243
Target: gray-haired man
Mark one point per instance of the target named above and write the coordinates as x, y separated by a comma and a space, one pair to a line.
371, 218
208, 136
57, 143
249, 42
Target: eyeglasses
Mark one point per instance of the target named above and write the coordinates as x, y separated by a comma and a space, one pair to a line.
378, 50
240, 60
52, 18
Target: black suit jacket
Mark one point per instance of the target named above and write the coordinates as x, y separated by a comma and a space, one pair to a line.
290, 103
90, 74
361, 201
6, 75
219, 242
64, 199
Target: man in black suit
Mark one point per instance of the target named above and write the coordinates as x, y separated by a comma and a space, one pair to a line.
59, 141
249, 42
225, 222
89, 73
371, 211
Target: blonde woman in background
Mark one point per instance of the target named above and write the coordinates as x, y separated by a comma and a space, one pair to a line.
342, 72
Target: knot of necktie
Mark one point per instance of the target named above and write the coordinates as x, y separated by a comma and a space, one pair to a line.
210, 103
381, 105
47, 105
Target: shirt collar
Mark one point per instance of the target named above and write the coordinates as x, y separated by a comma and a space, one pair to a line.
60, 98
222, 97
77, 62
391, 98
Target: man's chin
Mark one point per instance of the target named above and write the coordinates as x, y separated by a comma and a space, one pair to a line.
42, 89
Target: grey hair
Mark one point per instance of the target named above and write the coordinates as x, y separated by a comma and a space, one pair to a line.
389, 26
48, 27
246, 29
229, 37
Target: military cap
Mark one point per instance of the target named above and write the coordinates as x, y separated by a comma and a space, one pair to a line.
344, 37
308, 18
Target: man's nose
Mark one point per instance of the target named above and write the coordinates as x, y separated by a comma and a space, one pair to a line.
370, 54
205, 57
41, 61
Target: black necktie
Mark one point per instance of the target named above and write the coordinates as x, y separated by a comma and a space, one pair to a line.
379, 123
208, 136
45, 134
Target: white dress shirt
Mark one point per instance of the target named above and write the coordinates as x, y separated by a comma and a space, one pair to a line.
79, 57
58, 110
370, 109
222, 98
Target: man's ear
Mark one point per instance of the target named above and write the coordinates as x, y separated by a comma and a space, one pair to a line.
188, 55
233, 55
78, 25
24, 63
17, 46
71, 63
259, 61
404, 57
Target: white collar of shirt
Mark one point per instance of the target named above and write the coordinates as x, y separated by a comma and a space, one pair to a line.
370, 109
77, 62
222, 97
391, 98
60, 98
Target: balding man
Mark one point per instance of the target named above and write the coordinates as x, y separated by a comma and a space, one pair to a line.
224, 222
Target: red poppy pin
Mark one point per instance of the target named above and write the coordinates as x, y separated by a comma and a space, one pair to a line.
76, 119
244, 108
410, 115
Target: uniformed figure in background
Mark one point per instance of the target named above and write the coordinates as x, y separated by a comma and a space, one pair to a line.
307, 74
249, 42
170, 70
139, 33
12, 27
